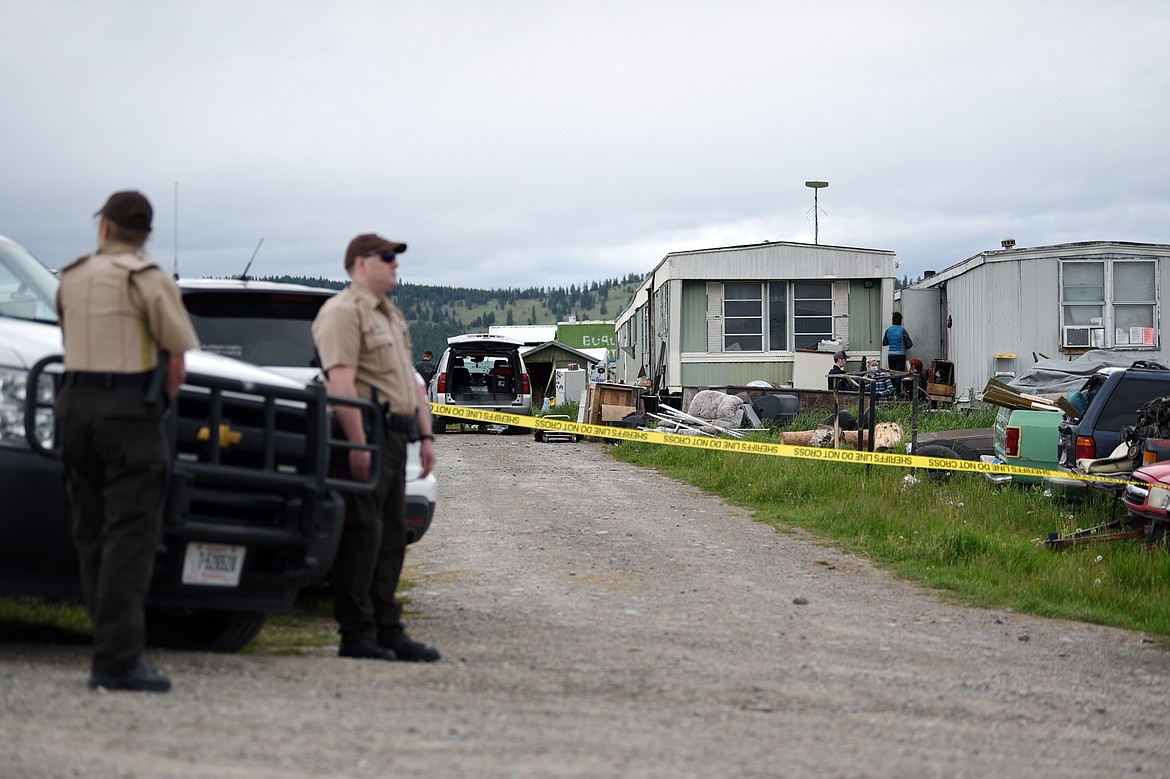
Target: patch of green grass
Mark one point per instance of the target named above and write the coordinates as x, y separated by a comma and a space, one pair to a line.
961, 536
929, 420
29, 620
567, 409
308, 626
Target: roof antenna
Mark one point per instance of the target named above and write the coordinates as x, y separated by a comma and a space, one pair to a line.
176, 270
244, 276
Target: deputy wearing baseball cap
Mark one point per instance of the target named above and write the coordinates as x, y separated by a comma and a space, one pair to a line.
365, 349
125, 331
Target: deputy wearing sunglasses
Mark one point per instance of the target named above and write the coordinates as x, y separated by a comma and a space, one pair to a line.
364, 345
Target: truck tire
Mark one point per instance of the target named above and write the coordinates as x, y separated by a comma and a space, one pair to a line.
205, 630
939, 450
961, 450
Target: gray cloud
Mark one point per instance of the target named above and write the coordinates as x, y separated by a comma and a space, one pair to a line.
536, 144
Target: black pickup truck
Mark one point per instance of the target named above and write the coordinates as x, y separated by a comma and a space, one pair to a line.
252, 517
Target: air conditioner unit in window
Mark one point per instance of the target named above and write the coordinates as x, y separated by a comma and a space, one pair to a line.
1081, 336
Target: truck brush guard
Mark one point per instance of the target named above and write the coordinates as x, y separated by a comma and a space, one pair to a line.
245, 453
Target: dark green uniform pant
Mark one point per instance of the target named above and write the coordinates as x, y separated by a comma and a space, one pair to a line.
117, 463
373, 549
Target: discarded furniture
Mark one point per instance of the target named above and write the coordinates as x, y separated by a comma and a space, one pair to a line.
940, 386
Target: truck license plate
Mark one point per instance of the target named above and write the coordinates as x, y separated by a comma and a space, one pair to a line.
217, 565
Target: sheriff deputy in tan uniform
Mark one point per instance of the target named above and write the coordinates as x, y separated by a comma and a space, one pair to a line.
120, 316
364, 346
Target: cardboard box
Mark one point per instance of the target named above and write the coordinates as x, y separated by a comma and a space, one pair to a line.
612, 413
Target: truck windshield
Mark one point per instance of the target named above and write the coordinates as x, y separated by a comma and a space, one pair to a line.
27, 288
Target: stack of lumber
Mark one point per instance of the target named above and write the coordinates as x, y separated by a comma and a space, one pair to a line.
1000, 394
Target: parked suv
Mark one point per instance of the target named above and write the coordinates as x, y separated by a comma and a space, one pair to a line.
270, 324
1114, 396
253, 515
484, 372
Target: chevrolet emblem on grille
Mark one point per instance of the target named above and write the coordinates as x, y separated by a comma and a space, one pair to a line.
227, 436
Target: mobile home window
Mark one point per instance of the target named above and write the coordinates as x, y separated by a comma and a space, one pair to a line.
1133, 304
777, 316
1109, 303
1083, 291
743, 317
812, 313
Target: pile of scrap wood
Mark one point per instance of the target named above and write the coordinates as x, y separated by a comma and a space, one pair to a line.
1000, 394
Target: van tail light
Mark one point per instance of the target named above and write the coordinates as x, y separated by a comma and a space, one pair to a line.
1011, 443
441, 383
1086, 448
525, 387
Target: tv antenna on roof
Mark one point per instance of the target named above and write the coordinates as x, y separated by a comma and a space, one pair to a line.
816, 186
176, 233
244, 276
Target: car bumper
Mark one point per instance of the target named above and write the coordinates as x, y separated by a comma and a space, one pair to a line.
1008, 478
419, 513
502, 404
288, 544
995, 478
1065, 488
421, 495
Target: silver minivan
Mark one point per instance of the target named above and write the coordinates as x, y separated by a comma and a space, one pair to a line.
484, 372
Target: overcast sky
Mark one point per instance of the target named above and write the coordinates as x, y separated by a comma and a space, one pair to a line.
551, 142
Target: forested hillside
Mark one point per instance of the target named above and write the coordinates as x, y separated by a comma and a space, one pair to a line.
436, 313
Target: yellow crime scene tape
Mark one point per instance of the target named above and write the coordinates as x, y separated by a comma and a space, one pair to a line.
854, 456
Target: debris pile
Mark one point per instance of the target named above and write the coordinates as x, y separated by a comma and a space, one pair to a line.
1148, 439
999, 394
710, 413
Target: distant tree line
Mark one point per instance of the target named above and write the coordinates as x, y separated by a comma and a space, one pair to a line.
436, 313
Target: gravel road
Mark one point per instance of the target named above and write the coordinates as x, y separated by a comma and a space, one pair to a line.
599, 620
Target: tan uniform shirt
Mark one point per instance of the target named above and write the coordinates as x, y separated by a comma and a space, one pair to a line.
358, 329
117, 309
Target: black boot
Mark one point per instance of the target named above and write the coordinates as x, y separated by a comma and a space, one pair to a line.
140, 678
410, 650
364, 649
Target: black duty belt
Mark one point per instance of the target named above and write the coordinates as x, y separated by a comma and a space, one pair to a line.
107, 380
396, 423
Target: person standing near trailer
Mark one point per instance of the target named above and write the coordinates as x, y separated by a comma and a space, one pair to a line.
899, 342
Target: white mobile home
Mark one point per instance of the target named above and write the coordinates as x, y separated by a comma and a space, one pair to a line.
771, 312
1000, 311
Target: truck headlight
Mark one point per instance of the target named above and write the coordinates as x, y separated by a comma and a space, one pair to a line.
13, 392
1159, 498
